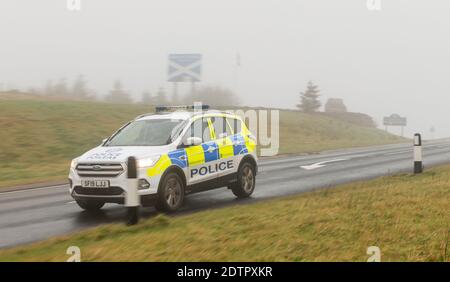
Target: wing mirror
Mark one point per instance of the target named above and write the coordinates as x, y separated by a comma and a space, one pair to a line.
192, 141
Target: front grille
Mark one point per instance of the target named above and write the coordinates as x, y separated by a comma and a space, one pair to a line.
99, 170
111, 191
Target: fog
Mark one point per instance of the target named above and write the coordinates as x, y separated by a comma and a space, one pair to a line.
393, 60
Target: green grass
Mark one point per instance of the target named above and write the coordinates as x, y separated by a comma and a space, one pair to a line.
406, 216
305, 133
39, 137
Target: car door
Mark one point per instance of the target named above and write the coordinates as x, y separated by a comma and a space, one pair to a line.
202, 159
224, 138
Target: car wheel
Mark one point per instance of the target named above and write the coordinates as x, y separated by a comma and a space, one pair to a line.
90, 205
170, 193
246, 181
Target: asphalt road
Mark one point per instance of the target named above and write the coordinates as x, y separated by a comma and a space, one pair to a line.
37, 214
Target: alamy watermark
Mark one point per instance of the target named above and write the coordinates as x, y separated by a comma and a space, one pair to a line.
263, 126
73, 5
374, 253
260, 122
75, 254
373, 5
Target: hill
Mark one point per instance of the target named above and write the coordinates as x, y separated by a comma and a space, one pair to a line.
39, 137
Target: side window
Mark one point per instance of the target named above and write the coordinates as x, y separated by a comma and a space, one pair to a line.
229, 129
235, 125
199, 129
221, 128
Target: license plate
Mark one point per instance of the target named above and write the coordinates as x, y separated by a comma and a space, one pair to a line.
95, 183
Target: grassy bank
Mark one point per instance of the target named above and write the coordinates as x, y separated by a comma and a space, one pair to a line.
40, 137
406, 216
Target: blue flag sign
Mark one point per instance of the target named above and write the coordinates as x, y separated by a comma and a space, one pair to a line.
185, 67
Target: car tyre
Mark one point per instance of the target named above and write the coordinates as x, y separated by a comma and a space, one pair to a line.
170, 193
246, 181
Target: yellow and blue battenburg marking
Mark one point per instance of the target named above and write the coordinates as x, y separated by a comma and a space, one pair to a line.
161, 165
211, 151
197, 155
239, 146
179, 158
225, 148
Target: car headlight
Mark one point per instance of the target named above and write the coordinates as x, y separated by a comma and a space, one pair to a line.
148, 162
73, 164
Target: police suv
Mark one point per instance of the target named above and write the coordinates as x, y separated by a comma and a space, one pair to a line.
177, 153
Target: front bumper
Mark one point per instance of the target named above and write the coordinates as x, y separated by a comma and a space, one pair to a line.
117, 191
146, 200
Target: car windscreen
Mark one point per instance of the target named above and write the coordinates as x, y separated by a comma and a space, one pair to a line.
153, 132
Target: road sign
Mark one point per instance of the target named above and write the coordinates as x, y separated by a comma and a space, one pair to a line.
394, 120
185, 67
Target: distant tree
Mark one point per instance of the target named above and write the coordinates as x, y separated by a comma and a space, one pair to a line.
79, 88
147, 98
334, 105
117, 94
309, 100
60, 88
33, 91
161, 97
215, 96
49, 89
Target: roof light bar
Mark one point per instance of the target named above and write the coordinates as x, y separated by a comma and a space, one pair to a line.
186, 107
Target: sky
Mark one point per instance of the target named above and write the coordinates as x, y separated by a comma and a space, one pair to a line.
392, 60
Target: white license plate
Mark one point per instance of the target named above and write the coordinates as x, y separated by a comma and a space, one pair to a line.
95, 183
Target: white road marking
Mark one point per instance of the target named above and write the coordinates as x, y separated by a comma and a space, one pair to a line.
321, 164
71, 202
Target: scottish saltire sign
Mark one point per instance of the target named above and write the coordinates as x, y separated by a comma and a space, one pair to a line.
185, 67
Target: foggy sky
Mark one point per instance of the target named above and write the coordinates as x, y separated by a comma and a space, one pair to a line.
380, 62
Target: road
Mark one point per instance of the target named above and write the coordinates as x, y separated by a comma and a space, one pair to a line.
37, 214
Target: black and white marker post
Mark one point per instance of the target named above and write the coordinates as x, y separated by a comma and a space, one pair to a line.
418, 158
132, 197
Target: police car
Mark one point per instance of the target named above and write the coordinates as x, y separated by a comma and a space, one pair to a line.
177, 153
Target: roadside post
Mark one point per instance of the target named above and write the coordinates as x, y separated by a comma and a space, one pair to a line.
418, 158
132, 200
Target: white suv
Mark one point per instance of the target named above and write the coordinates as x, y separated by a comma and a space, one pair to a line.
177, 153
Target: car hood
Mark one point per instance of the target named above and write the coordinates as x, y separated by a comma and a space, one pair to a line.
121, 153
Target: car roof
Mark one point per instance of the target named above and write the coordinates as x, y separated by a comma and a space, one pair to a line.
184, 115
175, 115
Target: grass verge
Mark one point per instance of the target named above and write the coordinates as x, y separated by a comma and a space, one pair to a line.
406, 216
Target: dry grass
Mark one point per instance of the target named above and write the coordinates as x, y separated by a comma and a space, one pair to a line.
407, 217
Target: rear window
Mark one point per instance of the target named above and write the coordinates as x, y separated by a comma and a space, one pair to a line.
235, 124
221, 127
